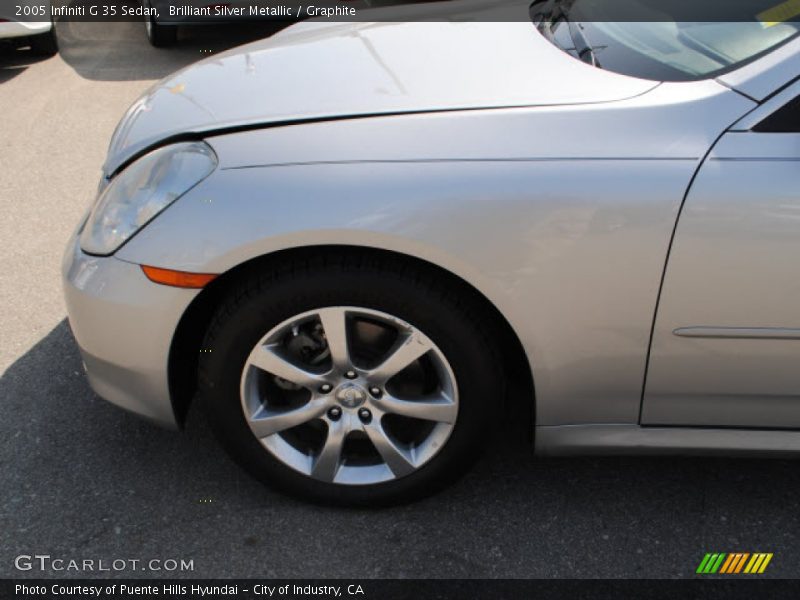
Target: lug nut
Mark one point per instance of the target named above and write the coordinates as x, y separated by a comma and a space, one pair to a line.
351, 375
334, 413
375, 391
365, 415
326, 387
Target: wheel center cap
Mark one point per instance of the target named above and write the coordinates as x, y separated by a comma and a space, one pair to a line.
351, 395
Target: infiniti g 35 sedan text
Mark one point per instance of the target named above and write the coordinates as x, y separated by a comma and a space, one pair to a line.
345, 238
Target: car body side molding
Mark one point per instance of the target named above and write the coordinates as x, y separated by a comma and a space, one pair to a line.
740, 333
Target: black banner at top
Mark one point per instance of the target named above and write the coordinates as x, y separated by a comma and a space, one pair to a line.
765, 12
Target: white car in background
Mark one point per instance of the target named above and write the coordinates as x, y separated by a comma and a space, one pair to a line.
39, 35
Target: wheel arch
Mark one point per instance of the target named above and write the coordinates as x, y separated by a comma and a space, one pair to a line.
188, 338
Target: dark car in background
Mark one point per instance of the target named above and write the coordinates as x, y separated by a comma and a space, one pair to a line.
164, 17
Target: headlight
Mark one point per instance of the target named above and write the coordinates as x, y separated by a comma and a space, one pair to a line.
145, 188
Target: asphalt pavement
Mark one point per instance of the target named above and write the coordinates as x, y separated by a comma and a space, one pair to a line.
81, 479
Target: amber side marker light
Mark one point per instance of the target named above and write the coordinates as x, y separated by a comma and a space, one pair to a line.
180, 279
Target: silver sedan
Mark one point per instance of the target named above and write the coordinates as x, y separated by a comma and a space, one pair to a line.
346, 240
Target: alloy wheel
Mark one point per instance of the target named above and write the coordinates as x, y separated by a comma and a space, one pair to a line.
349, 395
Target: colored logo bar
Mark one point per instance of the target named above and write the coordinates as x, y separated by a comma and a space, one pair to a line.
734, 563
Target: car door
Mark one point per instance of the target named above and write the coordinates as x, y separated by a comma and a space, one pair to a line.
726, 343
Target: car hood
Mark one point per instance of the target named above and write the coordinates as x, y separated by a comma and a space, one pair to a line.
318, 71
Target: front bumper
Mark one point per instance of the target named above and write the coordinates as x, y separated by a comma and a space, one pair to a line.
124, 325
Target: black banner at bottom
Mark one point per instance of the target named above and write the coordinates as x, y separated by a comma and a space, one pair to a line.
398, 589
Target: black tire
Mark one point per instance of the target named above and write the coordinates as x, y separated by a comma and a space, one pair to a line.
160, 36
450, 317
45, 44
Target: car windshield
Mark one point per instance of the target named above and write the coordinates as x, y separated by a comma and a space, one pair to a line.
655, 47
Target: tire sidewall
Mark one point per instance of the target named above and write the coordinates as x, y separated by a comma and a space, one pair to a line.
435, 317
158, 35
